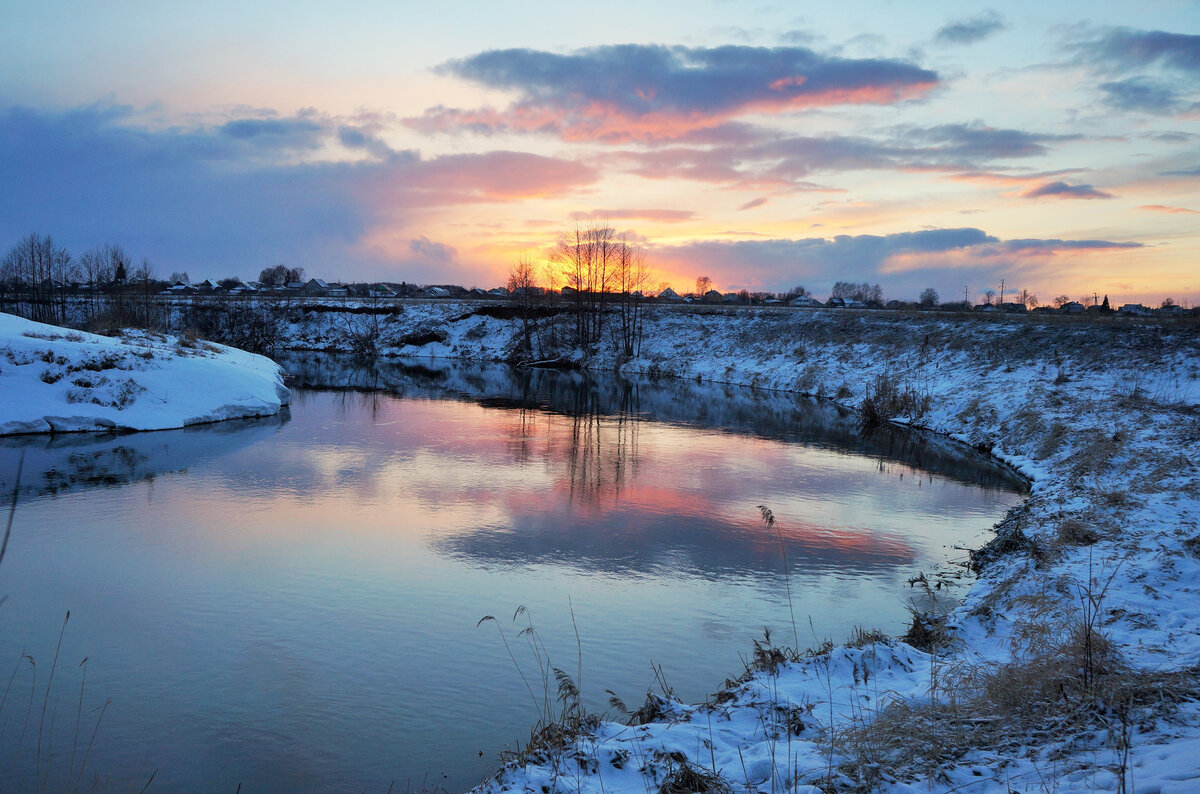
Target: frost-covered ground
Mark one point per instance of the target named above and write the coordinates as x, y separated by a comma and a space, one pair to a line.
56, 380
1072, 665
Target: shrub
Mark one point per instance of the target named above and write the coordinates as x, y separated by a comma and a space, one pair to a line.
887, 397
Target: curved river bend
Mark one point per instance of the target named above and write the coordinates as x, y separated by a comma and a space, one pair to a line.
292, 603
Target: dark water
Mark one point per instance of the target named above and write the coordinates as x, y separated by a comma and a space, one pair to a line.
292, 603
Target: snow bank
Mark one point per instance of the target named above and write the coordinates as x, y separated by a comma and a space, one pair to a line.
54, 380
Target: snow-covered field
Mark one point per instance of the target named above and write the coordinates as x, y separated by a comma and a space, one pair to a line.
56, 380
1072, 665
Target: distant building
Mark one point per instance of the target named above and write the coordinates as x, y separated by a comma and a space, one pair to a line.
805, 301
669, 295
1013, 308
1073, 307
1135, 310
845, 303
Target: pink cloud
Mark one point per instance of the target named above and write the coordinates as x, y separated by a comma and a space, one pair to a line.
1168, 209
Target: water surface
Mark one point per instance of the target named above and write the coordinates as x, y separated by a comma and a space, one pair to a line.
292, 603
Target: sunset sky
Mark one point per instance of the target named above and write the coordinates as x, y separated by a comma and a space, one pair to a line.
1055, 146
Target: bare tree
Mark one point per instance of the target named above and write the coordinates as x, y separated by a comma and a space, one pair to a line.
523, 289
631, 281
40, 270
929, 298
703, 285
1060, 301
588, 258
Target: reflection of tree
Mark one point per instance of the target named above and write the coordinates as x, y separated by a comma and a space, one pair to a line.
602, 457
765, 414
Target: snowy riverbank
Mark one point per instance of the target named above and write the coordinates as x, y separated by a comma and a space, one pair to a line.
1071, 666
56, 380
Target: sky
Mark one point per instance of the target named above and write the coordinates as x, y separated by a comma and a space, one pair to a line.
1051, 147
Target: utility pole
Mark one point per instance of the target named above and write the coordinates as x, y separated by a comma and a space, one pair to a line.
1001, 292
966, 300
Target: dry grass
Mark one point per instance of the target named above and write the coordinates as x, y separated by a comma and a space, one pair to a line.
889, 397
1052, 441
1041, 696
1074, 532
861, 638
687, 778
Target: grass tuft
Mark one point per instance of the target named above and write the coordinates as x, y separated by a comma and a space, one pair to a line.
686, 778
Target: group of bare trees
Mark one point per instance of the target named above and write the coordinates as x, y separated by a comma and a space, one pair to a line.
870, 294
36, 275
37, 269
280, 275
605, 275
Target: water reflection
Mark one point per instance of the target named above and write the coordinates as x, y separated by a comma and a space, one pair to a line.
622, 492
66, 462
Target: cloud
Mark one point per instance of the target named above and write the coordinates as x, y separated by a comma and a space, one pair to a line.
1145, 94
989, 177
752, 203
1126, 49
659, 215
298, 132
783, 162
1060, 189
633, 92
1168, 209
1160, 69
431, 253
969, 31
247, 192
906, 262
500, 176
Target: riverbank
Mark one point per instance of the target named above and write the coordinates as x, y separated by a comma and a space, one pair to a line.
55, 380
1072, 664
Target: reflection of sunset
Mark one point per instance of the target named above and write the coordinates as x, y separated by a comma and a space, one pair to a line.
419, 471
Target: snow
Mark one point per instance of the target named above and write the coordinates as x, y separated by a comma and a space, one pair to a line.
1102, 417
53, 380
